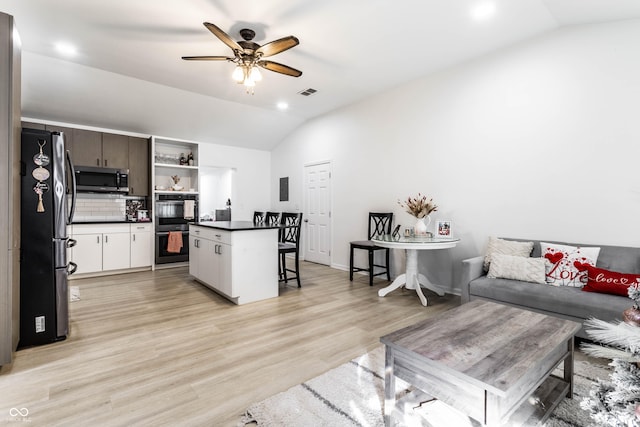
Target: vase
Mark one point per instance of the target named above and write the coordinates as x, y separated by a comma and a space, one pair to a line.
631, 316
420, 229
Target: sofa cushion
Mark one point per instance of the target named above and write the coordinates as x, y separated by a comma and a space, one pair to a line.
506, 247
608, 282
518, 268
561, 270
562, 300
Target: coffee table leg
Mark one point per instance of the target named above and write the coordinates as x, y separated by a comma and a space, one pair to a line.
389, 385
568, 368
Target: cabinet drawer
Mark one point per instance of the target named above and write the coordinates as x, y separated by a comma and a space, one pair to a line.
219, 236
140, 228
100, 228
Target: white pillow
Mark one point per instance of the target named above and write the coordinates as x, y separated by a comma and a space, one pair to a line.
506, 247
561, 270
517, 268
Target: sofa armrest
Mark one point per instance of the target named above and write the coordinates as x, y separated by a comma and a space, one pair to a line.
472, 268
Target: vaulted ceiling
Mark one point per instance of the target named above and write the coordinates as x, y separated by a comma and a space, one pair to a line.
348, 50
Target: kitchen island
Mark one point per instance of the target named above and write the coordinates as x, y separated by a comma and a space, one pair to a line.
237, 259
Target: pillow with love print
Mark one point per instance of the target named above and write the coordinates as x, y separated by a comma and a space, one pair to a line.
607, 282
561, 270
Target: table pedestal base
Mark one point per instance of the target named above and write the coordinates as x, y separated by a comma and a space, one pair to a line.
412, 279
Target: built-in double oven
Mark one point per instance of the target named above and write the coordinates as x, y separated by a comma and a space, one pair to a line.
173, 213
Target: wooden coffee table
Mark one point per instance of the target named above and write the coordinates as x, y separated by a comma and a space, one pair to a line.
490, 361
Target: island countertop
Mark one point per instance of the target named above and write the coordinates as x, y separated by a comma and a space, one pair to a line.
234, 225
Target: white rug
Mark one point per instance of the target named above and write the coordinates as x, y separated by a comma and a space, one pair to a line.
353, 395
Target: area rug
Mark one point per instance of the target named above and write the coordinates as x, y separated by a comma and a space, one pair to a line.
353, 395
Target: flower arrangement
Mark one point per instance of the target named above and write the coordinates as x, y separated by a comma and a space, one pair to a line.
634, 294
419, 206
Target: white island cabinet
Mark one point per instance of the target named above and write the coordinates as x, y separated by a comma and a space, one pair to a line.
237, 259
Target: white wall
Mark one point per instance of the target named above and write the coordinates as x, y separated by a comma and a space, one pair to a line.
251, 190
537, 141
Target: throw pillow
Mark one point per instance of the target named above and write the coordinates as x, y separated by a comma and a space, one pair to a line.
521, 268
607, 282
561, 270
506, 247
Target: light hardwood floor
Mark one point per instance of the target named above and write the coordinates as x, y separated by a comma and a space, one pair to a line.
157, 348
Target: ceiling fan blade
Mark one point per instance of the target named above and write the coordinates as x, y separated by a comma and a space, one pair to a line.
224, 37
280, 68
278, 46
207, 58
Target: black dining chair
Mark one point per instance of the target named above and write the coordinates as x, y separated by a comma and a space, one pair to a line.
379, 224
258, 217
272, 218
290, 223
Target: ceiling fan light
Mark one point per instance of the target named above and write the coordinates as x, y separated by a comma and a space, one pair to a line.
248, 82
255, 74
238, 74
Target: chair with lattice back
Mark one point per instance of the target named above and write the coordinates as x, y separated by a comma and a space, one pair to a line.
258, 217
379, 224
290, 225
272, 218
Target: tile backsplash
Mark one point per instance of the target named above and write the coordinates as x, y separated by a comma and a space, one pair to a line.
94, 208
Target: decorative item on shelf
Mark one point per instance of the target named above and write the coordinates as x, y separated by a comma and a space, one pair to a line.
190, 159
176, 180
420, 208
183, 160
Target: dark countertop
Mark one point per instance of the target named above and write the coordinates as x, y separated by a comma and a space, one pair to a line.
234, 225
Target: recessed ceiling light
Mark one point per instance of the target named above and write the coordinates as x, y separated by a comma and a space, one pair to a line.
483, 11
282, 106
66, 49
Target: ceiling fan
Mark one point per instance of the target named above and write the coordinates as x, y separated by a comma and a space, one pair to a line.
248, 56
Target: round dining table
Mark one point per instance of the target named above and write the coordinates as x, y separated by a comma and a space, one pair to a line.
412, 278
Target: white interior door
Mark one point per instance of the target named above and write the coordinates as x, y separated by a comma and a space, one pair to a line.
317, 213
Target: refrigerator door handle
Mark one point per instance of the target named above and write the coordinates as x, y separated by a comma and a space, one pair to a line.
73, 269
74, 193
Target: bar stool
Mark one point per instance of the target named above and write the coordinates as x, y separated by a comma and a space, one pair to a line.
379, 224
290, 243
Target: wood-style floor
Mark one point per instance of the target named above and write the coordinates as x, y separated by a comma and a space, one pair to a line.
157, 348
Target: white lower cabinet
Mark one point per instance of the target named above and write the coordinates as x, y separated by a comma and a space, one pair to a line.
210, 259
141, 245
87, 253
241, 265
107, 247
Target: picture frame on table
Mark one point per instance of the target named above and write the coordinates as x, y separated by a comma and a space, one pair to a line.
443, 229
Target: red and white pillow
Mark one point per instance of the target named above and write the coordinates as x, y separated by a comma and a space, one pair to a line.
607, 282
561, 269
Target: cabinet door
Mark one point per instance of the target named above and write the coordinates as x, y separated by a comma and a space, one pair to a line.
207, 262
87, 253
115, 251
225, 282
115, 151
140, 249
194, 256
87, 147
138, 166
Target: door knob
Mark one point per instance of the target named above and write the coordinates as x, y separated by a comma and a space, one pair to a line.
306, 220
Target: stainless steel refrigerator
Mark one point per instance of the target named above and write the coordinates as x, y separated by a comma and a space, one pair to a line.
44, 269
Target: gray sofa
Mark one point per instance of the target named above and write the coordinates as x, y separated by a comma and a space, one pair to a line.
565, 302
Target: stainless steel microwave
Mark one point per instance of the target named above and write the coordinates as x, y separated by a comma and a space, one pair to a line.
93, 179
